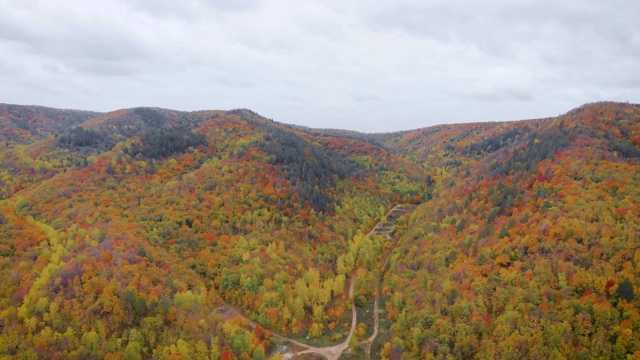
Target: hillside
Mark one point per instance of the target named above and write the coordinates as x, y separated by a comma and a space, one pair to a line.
529, 245
29, 123
144, 221
131, 234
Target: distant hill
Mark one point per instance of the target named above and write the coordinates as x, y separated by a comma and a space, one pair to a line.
27, 123
141, 233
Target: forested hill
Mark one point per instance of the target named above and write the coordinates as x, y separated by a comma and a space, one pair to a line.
127, 234
29, 123
529, 246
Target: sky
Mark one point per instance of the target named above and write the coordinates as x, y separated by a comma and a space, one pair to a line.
370, 66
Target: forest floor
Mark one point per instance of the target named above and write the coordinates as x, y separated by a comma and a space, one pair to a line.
299, 349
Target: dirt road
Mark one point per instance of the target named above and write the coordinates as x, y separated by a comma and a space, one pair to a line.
334, 352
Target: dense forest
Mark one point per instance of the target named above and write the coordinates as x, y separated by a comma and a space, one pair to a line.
151, 233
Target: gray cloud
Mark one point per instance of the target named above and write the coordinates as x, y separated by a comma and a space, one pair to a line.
367, 65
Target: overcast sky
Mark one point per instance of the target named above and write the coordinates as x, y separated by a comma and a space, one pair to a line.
362, 65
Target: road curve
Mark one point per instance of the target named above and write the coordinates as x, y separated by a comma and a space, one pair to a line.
334, 352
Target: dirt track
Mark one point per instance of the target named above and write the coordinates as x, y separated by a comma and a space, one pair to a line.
334, 352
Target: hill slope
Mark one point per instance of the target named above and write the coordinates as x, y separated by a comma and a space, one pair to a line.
144, 221
529, 246
126, 233
28, 123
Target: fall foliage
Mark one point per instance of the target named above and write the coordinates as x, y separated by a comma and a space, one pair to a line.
141, 233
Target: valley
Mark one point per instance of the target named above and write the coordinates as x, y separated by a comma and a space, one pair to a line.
153, 233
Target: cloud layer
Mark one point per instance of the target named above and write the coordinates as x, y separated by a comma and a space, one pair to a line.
365, 65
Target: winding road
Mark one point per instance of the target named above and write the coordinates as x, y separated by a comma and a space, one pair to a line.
334, 352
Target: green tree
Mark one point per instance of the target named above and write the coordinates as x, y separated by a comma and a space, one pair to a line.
133, 351
201, 351
258, 354
214, 354
625, 290
90, 343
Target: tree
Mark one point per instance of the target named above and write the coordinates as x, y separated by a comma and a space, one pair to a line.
258, 354
90, 343
315, 330
133, 351
625, 290
215, 350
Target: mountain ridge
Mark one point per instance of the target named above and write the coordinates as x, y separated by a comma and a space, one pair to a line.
5, 107
126, 237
